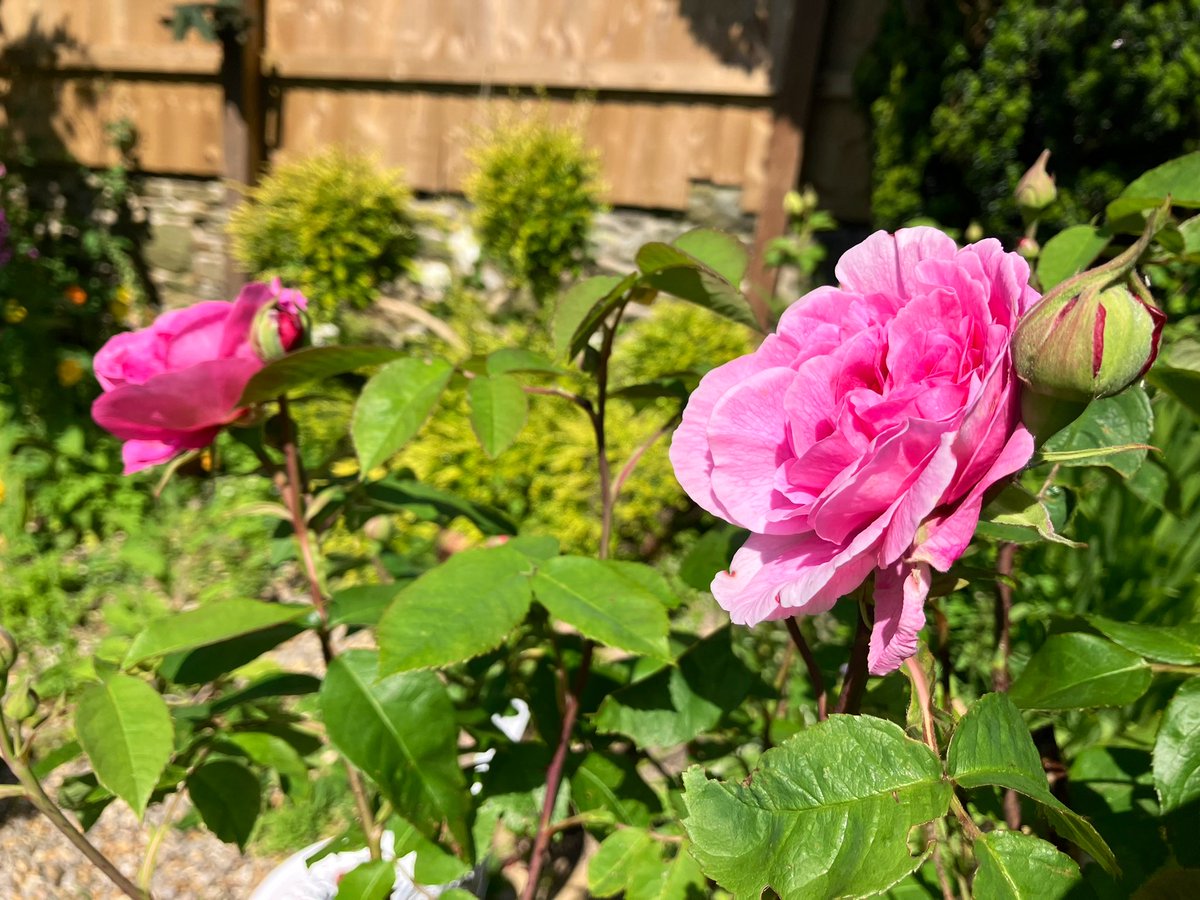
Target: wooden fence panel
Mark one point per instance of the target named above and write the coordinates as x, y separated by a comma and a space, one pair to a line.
679, 90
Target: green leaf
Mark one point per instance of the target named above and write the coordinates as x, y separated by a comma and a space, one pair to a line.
206, 663
228, 798
648, 577
125, 729
208, 624
278, 684
1070, 252
710, 555
498, 410
721, 252
372, 880
604, 783
433, 864
618, 854
815, 820
1079, 671
1179, 178
603, 604
433, 504
273, 752
1018, 516
400, 730
362, 604
1015, 866
394, 405
672, 271
677, 703
1177, 371
992, 746
583, 307
516, 359
1110, 423
311, 364
460, 609
1179, 644
1177, 751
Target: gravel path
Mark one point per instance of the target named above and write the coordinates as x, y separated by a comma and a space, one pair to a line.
37, 862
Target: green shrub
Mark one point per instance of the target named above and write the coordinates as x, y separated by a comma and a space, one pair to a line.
546, 479
335, 225
536, 189
963, 98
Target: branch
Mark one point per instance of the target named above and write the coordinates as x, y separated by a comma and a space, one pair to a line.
814, 671
850, 699
291, 484
37, 796
636, 456
1001, 676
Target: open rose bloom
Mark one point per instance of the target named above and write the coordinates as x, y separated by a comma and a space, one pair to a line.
174, 385
859, 439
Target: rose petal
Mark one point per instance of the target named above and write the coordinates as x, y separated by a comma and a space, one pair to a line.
175, 403
885, 263
946, 538
900, 593
689, 453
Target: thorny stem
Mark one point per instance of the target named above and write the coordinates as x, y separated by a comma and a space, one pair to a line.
1001, 676
850, 699
36, 794
814, 671
291, 485
554, 773
571, 700
924, 700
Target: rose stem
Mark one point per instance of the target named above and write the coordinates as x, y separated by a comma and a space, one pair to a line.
780, 709
571, 700
851, 696
814, 671
292, 486
1001, 677
920, 685
36, 795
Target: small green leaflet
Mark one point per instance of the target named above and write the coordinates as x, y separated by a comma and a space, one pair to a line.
809, 802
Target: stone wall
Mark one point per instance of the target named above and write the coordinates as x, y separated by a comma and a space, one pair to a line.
187, 250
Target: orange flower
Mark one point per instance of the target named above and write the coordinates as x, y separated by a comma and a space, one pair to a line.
76, 294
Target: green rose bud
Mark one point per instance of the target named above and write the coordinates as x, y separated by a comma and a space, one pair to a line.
1092, 344
1091, 336
20, 704
1035, 191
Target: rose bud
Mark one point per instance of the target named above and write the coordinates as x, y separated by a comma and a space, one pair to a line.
1028, 248
1035, 191
1094, 344
281, 325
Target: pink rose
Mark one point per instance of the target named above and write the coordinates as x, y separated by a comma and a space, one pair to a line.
861, 436
172, 386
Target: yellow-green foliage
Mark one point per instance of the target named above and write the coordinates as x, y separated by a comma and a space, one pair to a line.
335, 225
547, 480
536, 189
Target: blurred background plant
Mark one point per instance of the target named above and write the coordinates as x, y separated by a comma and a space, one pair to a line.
963, 97
336, 225
799, 252
535, 188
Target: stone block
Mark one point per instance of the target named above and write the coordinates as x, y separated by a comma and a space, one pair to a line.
170, 248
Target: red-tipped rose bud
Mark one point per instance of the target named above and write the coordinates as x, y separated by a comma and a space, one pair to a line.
282, 325
1092, 344
1035, 191
1091, 336
1028, 248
